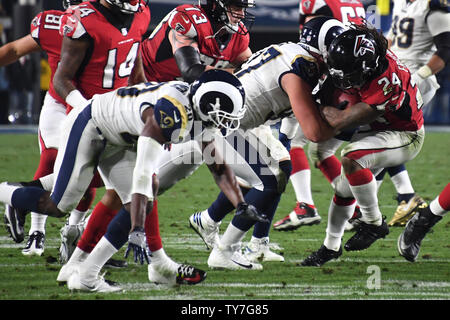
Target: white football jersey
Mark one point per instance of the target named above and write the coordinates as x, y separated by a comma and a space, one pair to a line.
414, 23
117, 114
261, 76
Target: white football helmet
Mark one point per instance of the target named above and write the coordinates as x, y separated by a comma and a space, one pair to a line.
218, 99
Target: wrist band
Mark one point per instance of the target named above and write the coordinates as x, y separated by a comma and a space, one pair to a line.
424, 72
75, 99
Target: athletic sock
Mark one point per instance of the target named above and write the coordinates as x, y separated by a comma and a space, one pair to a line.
152, 232
96, 227
339, 212
91, 267
441, 204
330, 168
364, 189
301, 176
37, 223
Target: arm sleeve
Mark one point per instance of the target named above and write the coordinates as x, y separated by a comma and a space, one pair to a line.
188, 61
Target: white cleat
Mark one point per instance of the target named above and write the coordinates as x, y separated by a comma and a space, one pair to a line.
259, 250
231, 258
67, 270
98, 285
161, 275
209, 232
70, 234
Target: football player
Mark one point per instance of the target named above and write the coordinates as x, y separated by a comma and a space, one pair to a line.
44, 35
99, 53
190, 39
410, 239
391, 132
420, 37
194, 38
305, 212
278, 80
103, 135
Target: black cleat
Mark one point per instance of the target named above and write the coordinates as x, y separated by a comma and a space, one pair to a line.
321, 256
409, 241
116, 264
15, 221
189, 275
365, 235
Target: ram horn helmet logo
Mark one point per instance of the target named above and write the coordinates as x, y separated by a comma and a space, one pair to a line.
362, 45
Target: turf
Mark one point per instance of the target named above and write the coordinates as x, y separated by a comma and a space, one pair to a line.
376, 273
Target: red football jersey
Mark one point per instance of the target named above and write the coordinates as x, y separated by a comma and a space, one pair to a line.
394, 93
45, 31
115, 45
343, 10
189, 20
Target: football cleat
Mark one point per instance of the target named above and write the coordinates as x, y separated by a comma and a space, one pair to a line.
115, 264
208, 232
67, 270
189, 275
365, 235
15, 221
354, 221
405, 211
98, 285
259, 250
185, 274
409, 241
302, 215
35, 244
69, 239
230, 257
321, 256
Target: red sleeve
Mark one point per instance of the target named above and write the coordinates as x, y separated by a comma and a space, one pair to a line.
71, 25
306, 7
34, 26
181, 23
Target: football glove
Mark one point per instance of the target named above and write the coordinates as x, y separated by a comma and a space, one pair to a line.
249, 212
137, 242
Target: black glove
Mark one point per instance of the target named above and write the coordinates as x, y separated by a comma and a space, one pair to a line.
138, 243
249, 212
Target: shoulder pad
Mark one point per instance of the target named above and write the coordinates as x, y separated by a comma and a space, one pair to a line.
181, 23
306, 67
441, 5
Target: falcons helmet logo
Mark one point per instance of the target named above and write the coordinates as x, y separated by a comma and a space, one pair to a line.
362, 45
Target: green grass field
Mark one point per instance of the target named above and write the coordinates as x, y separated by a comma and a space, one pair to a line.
350, 277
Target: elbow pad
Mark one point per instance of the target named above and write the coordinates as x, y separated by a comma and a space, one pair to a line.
188, 61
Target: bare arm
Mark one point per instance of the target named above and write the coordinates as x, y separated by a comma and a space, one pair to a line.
72, 55
143, 172
305, 109
137, 74
224, 176
358, 114
12, 51
244, 56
